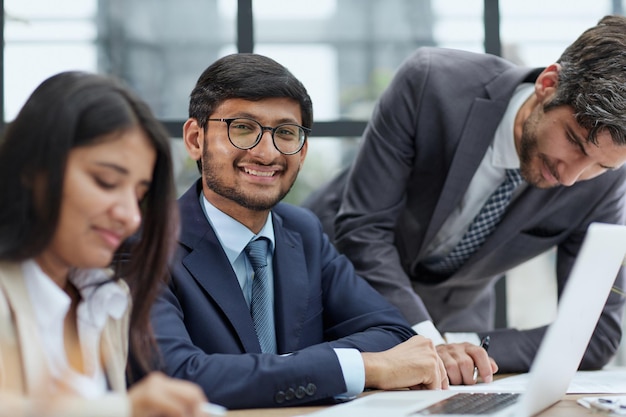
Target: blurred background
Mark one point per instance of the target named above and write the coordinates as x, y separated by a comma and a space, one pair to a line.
344, 51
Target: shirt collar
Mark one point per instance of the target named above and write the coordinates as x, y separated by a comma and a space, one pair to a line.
504, 152
233, 235
101, 297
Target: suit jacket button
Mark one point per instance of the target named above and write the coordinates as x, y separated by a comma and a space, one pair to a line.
290, 394
311, 389
280, 397
300, 392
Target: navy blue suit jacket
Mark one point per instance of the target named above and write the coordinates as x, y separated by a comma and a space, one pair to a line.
206, 335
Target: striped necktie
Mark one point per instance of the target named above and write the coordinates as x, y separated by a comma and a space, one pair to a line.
261, 304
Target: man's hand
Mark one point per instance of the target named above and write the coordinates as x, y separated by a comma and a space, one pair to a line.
413, 364
460, 360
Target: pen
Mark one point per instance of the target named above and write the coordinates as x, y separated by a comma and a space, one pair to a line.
213, 409
484, 343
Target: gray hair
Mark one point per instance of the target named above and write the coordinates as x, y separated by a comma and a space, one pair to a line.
592, 79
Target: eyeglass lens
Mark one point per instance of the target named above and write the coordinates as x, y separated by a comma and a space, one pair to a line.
244, 133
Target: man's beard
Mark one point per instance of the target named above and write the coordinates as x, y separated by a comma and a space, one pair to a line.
256, 202
529, 153
528, 149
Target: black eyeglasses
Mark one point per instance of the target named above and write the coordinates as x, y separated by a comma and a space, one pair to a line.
245, 133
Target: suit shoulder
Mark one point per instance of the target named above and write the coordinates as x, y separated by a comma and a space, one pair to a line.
457, 65
296, 216
613, 182
453, 57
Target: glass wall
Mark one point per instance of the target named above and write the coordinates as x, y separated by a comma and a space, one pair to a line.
344, 51
535, 32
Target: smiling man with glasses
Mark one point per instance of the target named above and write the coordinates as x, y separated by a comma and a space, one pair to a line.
261, 310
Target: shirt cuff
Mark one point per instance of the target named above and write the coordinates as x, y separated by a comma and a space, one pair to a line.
472, 338
428, 329
353, 370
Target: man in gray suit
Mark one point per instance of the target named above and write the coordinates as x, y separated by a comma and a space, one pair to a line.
441, 139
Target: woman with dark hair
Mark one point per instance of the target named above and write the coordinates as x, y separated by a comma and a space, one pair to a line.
84, 166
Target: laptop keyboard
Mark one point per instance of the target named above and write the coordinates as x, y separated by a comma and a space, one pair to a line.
471, 403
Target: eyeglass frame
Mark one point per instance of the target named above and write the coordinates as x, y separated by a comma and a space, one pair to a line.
272, 130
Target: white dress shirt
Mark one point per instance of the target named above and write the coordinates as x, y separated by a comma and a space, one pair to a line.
100, 298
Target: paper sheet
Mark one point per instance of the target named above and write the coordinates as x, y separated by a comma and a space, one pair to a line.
607, 381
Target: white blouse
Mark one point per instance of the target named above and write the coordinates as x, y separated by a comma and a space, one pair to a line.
100, 298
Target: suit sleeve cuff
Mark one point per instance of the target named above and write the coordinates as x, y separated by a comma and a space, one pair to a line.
428, 329
472, 338
353, 370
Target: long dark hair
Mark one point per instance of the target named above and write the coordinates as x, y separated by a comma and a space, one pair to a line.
69, 110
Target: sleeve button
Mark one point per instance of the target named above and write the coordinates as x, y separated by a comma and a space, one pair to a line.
311, 389
279, 397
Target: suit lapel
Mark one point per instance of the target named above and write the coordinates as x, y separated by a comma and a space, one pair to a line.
209, 266
290, 286
482, 122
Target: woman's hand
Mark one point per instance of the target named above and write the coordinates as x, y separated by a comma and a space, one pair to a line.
160, 396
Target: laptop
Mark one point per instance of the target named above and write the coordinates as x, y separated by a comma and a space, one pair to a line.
557, 360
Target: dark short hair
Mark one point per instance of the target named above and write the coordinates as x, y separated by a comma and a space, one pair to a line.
593, 79
66, 111
247, 76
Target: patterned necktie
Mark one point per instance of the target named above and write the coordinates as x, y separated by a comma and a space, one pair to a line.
482, 226
261, 304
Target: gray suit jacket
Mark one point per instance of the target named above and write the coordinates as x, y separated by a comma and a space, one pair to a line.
426, 138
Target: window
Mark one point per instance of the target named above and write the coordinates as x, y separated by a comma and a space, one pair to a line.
344, 51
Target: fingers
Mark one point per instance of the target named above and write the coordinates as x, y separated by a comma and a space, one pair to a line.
433, 374
445, 382
440, 377
461, 359
413, 364
450, 356
485, 369
439, 380
158, 395
494, 366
